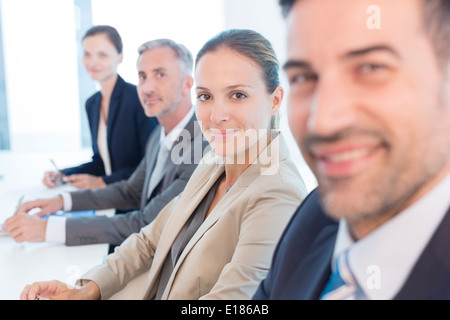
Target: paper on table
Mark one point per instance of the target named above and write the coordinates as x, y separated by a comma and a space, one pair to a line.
7, 208
39, 191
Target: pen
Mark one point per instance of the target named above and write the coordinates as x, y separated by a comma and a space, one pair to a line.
53, 178
19, 203
54, 164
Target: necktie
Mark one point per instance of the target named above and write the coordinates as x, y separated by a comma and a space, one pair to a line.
342, 284
158, 169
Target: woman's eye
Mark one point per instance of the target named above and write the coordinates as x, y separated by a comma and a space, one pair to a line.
238, 95
203, 97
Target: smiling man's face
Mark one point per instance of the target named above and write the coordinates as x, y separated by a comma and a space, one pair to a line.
369, 108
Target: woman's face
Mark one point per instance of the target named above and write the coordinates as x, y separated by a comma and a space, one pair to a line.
100, 58
233, 105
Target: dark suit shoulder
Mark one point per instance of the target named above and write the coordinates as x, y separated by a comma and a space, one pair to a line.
307, 222
430, 277
124, 89
129, 88
93, 101
131, 99
304, 248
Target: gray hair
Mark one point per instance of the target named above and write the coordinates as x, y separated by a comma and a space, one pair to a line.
182, 53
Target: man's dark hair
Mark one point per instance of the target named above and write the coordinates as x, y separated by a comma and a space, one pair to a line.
436, 21
286, 6
437, 25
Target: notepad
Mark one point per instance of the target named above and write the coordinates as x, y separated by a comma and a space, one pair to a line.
71, 214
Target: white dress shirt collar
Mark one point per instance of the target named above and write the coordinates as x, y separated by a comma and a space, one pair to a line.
383, 260
169, 139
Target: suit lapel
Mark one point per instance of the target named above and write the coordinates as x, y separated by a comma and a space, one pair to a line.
95, 118
114, 106
184, 145
212, 218
187, 203
152, 154
430, 277
318, 264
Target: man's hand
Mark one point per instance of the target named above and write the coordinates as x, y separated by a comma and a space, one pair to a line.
51, 178
24, 227
47, 206
32, 228
85, 181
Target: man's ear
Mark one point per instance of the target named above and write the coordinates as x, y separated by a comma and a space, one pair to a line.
188, 83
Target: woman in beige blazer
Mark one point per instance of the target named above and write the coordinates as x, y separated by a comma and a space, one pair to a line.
216, 239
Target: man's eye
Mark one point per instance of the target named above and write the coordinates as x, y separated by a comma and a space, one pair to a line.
203, 97
160, 75
370, 67
373, 73
302, 78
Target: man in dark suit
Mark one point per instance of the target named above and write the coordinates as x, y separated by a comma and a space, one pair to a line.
370, 110
164, 89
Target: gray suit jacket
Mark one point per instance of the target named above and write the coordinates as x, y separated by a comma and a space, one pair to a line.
231, 251
131, 194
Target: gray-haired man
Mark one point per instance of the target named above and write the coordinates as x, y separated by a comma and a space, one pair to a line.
164, 88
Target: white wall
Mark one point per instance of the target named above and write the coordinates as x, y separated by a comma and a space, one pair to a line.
41, 57
188, 22
41, 74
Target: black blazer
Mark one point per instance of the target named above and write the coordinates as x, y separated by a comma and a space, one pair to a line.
127, 132
301, 264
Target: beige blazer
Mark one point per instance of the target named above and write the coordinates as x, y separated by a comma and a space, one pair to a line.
231, 252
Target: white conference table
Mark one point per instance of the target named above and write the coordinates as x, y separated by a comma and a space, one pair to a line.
25, 263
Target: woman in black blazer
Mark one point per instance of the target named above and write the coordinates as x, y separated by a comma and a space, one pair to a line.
118, 124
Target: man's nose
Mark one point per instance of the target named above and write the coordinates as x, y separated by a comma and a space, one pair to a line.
332, 110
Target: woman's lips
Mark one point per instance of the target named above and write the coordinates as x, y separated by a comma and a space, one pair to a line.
223, 134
